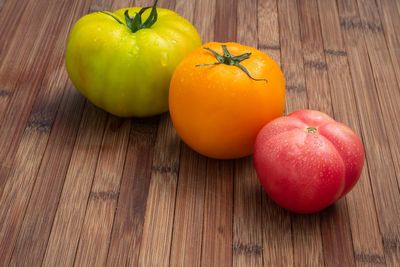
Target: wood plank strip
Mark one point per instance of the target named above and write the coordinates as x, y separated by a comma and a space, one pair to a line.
129, 220
106, 186
35, 229
335, 227
307, 241
63, 240
205, 23
161, 3
8, 20
277, 234
189, 211
389, 97
218, 214
25, 46
186, 9
99, 217
33, 143
64, 236
390, 17
218, 206
360, 203
186, 247
277, 226
315, 68
384, 75
28, 65
17, 191
160, 208
247, 227
18, 188
225, 26
268, 29
157, 230
292, 56
375, 135
128, 223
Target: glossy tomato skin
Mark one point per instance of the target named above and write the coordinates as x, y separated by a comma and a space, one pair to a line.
126, 73
306, 161
218, 110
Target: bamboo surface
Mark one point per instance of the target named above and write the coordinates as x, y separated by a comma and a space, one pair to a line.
80, 187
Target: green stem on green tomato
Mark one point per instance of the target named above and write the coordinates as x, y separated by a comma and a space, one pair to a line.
135, 23
228, 59
111, 15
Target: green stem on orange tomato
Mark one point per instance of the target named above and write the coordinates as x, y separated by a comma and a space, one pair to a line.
228, 59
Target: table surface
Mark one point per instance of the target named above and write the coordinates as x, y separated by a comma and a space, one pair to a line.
81, 187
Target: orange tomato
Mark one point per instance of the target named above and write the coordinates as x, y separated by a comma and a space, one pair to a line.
220, 98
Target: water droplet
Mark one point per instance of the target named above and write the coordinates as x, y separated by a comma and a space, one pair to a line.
164, 59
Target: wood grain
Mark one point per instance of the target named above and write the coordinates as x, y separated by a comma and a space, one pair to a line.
277, 237
360, 202
375, 136
385, 80
218, 199
100, 212
36, 227
187, 241
21, 64
33, 154
189, 211
64, 237
390, 17
80, 187
160, 208
247, 242
335, 228
218, 214
128, 223
8, 17
297, 98
291, 55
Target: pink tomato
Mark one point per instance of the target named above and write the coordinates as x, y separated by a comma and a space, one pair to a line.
306, 160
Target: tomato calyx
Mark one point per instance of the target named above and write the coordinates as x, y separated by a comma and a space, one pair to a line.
135, 23
111, 15
228, 59
312, 130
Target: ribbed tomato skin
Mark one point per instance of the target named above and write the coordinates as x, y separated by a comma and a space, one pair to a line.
306, 161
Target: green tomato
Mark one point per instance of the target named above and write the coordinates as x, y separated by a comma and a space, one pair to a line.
124, 65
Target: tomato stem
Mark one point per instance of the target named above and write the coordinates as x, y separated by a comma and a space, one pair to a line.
111, 15
135, 23
312, 130
228, 59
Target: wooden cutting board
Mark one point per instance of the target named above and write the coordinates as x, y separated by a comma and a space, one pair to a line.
81, 187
